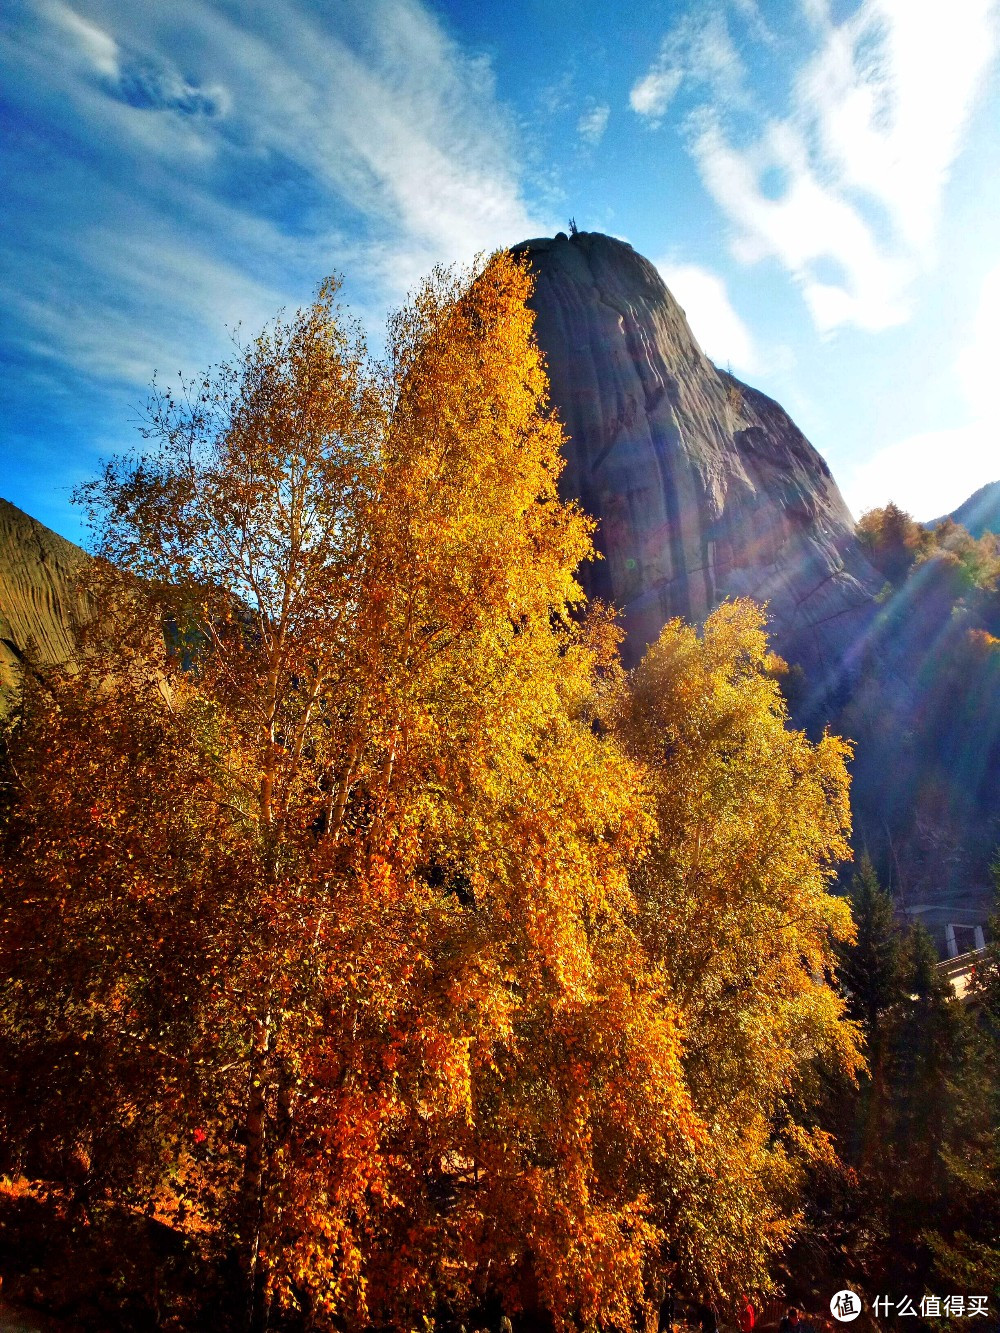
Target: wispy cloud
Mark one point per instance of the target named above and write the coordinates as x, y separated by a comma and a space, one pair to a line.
844, 187
722, 334
142, 80
229, 159
171, 171
593, 122
817, 233
91, 43
932, 472
652, 94
698, 51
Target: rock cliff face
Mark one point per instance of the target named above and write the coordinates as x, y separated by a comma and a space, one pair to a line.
38, 599
703, 487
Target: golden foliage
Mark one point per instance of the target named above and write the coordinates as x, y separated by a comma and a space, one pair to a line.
896, 544
733, 902
368, 922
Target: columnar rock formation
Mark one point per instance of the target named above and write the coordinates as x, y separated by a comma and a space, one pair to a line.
703, 487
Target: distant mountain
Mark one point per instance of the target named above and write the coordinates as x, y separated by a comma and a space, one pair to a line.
38, 599
979, 514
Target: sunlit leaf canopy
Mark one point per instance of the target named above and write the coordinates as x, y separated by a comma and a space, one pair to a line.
371, 924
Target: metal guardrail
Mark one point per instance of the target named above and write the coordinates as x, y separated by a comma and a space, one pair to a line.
958, 970
961, 962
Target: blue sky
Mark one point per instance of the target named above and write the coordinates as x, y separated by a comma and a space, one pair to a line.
818, 181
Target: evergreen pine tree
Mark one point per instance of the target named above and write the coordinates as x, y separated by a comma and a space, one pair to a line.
870, 969
965, 1238
919, 1205
871, 972
927, 1043
928, 1040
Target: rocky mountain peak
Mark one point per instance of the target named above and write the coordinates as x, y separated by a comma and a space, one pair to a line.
703, 487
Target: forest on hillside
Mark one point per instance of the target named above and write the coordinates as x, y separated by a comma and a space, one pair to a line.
922, 707
378, 953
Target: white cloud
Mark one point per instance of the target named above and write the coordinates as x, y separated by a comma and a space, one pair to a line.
932, 472
698, 50
845, 188
91, 42
750, 13
139, 79
889, 96
928, 474
723, 336
400, 125
161, 327
808, 227
369, 114
558, 95
374, 101
593, 122
653, 93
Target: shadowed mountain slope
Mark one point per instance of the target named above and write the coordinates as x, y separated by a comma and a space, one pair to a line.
38, 598
979, 514
703, 487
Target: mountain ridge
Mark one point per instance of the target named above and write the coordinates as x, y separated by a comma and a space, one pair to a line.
979, 514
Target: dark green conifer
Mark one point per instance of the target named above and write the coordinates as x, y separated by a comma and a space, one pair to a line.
965, 1238
871, 969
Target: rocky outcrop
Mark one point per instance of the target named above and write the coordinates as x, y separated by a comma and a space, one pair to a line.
703, 487
38, 596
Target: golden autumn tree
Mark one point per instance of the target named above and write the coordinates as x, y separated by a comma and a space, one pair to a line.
733, 905
316, 909
360, 918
